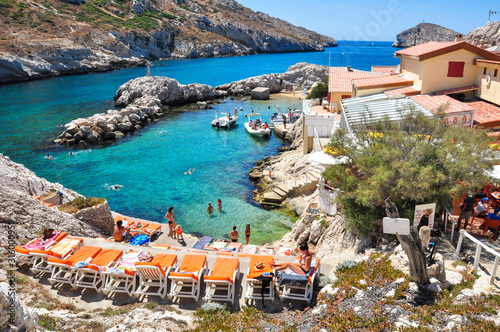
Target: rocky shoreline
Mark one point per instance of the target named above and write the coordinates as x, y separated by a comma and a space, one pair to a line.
146, 99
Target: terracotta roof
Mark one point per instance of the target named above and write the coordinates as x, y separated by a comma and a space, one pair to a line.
432, 49
340, 78
456, 90
407, 91
433, 102
381, 81
485, 114
494, 62
384, 69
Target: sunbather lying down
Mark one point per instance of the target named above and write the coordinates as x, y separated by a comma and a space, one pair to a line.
302, 267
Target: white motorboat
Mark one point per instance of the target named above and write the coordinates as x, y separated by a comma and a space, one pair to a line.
255, 126
225, 121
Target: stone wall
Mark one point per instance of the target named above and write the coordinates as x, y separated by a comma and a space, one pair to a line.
99, 216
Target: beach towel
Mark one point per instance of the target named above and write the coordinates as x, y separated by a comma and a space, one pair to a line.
250, 249
285, 251
203, 242
139, 240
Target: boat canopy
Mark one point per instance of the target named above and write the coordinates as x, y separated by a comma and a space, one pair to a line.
254, 114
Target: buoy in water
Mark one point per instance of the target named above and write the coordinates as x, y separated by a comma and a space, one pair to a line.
245, 115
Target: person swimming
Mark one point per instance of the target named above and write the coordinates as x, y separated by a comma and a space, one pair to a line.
48, 156
191, 170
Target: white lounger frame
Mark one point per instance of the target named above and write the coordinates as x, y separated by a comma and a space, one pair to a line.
178, 283
90, 278
254, 286
227, 288
151, 276
119, 283
40, 264
63, 273
301, 293
28, 258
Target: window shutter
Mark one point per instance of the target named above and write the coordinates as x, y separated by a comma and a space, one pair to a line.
456, 69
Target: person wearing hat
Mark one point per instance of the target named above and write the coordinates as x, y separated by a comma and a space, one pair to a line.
466, 210
302, 267
481, 208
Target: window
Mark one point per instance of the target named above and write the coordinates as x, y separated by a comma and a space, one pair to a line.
496, 72
456, 69
484, 71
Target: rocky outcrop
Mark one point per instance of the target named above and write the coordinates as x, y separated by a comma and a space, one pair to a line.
28, 215
73, 44
14, 316
167, 90
98, 216
114, 124
58, 62
422, 33
485, 36
301, 74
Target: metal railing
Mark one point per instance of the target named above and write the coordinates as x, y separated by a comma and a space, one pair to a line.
448, 214
317, 146
477, 256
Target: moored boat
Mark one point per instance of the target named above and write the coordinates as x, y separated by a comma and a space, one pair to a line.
225, 121
255, 126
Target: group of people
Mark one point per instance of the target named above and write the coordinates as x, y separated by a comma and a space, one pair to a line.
210, 208
234, 235
479, 204
258, 124
174, 231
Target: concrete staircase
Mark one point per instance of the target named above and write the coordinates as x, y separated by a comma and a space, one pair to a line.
303, 184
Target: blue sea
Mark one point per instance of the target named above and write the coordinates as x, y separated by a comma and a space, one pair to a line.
150, 164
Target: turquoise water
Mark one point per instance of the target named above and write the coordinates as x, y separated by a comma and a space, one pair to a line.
150, 164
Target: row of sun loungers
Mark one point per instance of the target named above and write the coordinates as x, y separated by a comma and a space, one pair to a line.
111, 271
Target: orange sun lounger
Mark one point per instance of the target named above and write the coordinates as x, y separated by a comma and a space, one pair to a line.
121, 278
91, 276
62, 269
221, 280
188, 274
62, 249
23, 253
302, 292
155, 274
253, 285
140, 227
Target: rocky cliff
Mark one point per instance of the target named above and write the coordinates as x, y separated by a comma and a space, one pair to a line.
56, 38
424, 32
28, 215
485, 36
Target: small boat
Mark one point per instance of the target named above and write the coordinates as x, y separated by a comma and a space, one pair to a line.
277, 118
256, 126
225, 121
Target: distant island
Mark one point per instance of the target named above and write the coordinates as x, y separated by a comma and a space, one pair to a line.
422, 33
51, 38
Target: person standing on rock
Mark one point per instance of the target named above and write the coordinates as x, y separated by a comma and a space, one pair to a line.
270, 169
171, 223
284, 121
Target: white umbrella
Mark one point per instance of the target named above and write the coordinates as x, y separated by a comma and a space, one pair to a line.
323, 158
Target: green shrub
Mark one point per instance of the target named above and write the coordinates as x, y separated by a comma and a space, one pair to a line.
320, 90
47, 322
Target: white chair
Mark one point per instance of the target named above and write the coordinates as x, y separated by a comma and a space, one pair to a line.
155, 275
221, 280
188, 275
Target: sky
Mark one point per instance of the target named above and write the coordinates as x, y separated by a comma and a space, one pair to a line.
373, 20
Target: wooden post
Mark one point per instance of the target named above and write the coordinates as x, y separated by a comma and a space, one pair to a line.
412, 246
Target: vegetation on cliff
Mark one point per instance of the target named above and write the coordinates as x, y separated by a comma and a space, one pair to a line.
87, 23
419, 160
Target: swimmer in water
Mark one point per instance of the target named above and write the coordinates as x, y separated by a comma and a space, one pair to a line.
191, 170
48, 156
71, 154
